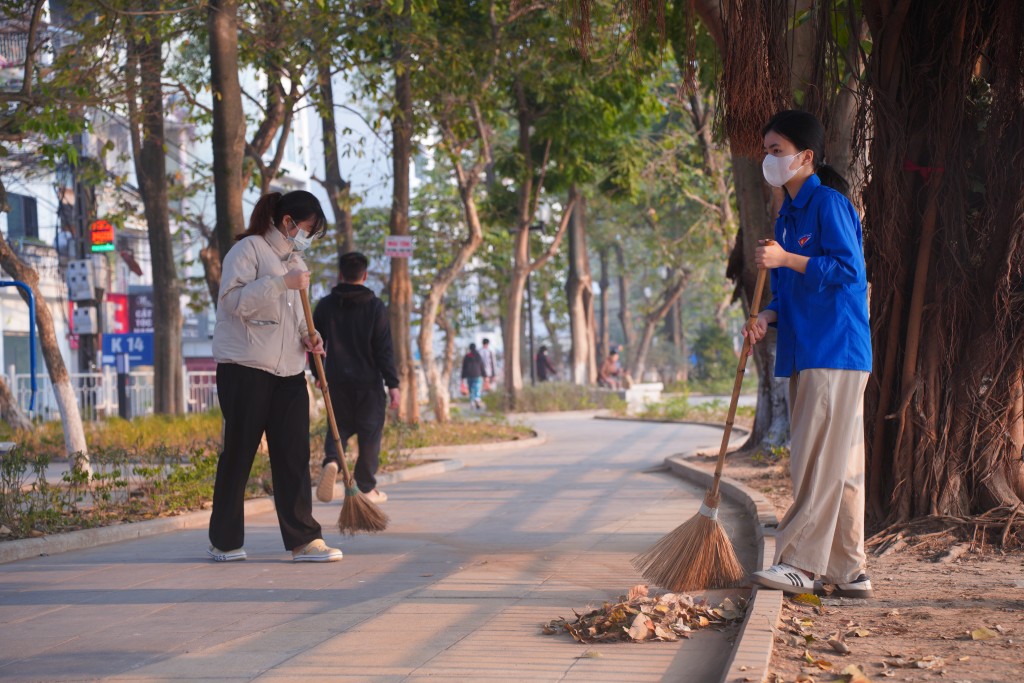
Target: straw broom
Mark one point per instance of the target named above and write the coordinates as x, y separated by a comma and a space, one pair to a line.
357, 512
698, 554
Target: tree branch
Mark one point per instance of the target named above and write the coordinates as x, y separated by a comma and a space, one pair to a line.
553, 247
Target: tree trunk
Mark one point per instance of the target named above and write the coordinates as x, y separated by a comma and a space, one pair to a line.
10, 411
580, 295
400, 284
945, 259
228, 135
771, 417
625, 314
336, 187
145, 54
433, 300
604, 337
673, 290
64, 393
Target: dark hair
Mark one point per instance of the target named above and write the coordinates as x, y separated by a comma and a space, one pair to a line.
472, 347
486, 341
272, 207
805, 131
542, 349
353, 266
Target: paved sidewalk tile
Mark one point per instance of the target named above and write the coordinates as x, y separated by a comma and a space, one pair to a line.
457, 588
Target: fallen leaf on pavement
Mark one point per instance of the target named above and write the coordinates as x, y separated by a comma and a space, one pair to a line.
854, 674
808, 599
643, 618
929, 662
839, 646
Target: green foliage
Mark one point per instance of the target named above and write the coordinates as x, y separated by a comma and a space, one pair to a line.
716, 358
548, 397
145, 437
680, 408
124, 486
772, 456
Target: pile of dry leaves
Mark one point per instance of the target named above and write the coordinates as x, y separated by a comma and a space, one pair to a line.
638, 617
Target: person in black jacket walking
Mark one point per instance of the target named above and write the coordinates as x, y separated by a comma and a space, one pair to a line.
359, 364
473, 375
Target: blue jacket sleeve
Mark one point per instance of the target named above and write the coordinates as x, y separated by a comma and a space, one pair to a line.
842, 260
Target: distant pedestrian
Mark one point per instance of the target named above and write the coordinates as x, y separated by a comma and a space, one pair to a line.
608, 375
473, 375
359, 365
545, 370
260, 344
490, 367
819, 305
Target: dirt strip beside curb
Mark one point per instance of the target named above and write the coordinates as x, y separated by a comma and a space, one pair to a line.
752, 653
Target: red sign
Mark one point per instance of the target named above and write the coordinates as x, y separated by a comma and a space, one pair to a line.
101, 235
120, 321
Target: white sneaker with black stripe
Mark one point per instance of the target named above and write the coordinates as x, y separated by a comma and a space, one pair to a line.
785, 578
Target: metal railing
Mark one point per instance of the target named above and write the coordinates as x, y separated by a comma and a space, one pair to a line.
97, 393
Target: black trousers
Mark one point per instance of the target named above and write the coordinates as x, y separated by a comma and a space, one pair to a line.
254, 402
358, 411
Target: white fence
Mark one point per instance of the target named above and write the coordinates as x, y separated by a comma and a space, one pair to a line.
97, 393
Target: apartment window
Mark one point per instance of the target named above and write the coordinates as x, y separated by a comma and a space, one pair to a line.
21, 220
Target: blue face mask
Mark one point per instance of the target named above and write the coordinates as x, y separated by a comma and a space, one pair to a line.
302, 239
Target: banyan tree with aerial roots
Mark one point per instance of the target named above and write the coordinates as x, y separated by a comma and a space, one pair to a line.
939, 123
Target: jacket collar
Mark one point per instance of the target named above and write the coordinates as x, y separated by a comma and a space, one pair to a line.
279, 243
812, 183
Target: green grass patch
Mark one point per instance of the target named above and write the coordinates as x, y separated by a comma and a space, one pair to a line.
163, 465
548, 397
680, 408
400, 439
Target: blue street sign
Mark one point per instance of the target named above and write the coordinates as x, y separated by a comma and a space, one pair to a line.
138, 346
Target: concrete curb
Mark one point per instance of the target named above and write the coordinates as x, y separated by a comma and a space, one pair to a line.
752, 652
21, 549
491, 447
738, 431
25, 548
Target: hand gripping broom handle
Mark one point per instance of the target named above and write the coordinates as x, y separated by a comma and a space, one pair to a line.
755, 305
324, 390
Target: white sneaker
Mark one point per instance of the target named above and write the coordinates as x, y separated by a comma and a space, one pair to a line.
328, 478
858, 588
226, 555
316, 551
785, 578
376, 496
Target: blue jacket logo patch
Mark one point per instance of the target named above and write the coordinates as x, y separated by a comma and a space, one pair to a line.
804, 240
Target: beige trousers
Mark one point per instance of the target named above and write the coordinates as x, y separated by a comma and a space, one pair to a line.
823, 531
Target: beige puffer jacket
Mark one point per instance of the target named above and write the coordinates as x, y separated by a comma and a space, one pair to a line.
260, 323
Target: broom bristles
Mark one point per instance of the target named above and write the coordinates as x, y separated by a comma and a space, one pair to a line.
696, 555
358, 513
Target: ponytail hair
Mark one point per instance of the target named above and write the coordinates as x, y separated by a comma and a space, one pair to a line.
830, 177
272, 207
805, 131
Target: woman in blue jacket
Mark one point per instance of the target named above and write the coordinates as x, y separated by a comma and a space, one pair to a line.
820, 308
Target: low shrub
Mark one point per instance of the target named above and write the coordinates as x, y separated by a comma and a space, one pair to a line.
680, 408
548, 397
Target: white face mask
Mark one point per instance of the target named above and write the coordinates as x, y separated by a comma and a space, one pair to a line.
302, 239
777, 170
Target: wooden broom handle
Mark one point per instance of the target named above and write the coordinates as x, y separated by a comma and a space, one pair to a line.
324, 389
755, 306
